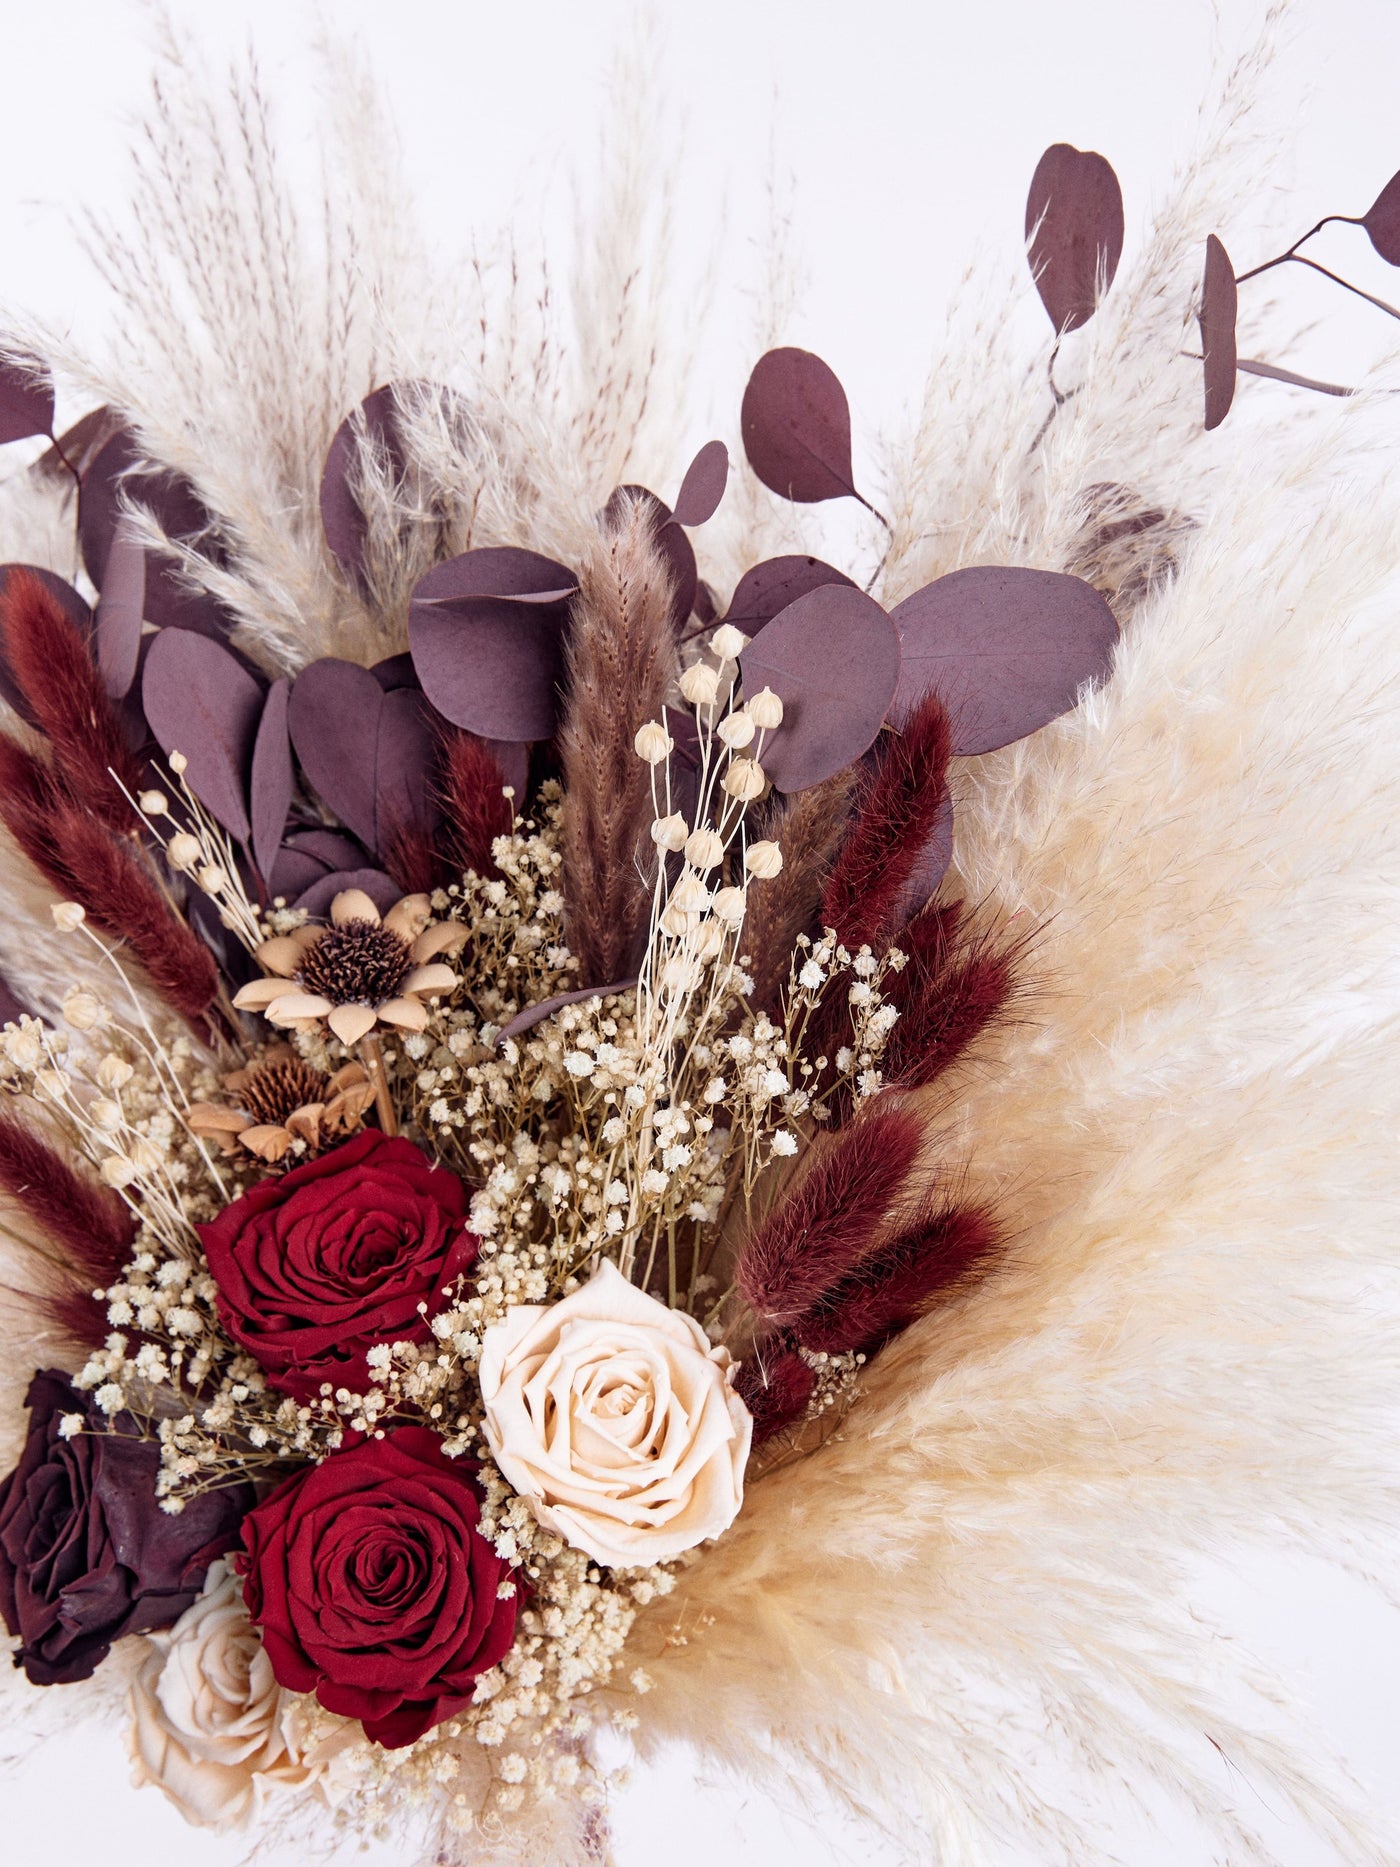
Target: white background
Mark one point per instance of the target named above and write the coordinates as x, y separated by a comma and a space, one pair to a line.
900, 136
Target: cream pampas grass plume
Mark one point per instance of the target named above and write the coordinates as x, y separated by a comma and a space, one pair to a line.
1090, 1272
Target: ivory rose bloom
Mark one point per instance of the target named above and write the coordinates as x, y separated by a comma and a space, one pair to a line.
616, 1418
213, 1728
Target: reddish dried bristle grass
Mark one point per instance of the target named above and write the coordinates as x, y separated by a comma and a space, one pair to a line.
474, 810
89, 1227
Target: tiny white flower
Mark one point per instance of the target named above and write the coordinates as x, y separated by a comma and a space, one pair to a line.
579, 1063
775, 1083
654, 1183
714, 1089
784, 1142
70, 1425
811, 976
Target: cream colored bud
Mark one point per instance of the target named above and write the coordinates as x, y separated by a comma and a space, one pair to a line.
737, 731
710, 938
729, 905
53, 1084
653, 743
118, 1171
670, 832
728, 642
114, 1073
704, 848
690, 894
744, 780
763, 861
23, 1048
766, 709
679, 974
68, 916
700, 684
678, 922
183, 850
106, 1114
83, 1010
177, 762
153, 803
212, 879
145, 1155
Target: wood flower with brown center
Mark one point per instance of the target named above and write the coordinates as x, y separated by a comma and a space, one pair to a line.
281, 1101
360, 971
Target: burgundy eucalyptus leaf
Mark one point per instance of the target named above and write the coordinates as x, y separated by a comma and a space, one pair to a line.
832, 657
704, 609
930, 868
1382, 221
382, 890
307, 855
684, 729
1006, 649
376, 422
1074, 224
271, 784
536, 1014
120, 608
26, 398
776, 582
405, 758
77, 447
72, 605
796, 424
672, 543
703, 486
116, 477
333, 716
487, 634
1219, 294
201, 701
395, 671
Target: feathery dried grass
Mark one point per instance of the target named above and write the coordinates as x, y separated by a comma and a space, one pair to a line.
621, 661
808, 828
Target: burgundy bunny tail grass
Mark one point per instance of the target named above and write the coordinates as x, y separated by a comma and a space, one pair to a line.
901, 1280
475, 811
90, 1228
808, 829
53, 669
110, 883
776, 1386
896, 812
953, 987
415, 862
821, 1230
29, 803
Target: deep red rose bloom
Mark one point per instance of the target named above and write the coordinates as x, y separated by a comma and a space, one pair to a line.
86, 1552
374, 1588
315, 1266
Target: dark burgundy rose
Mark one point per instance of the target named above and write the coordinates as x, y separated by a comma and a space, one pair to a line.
315, 1266
375, 1589
86, 1552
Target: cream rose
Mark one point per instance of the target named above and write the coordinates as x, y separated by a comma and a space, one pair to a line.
213, 1728
616, 1418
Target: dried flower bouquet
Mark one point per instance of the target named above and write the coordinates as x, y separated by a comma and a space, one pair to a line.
500, 1121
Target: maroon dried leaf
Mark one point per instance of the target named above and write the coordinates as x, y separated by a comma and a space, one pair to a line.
487, 634
120, 609
382, 890
270, 787
26, 398
342, 520
1074, 224
776, 582
703, 486
1218, 349
201, 701
73, 607
118, 477
395, 671
536, 1014
1006, 649
832, 657
1382, 221
307, 855
796, 424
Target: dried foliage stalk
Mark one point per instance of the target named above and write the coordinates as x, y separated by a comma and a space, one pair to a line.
622, 658
809, 828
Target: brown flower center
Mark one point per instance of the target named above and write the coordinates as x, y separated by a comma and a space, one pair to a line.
278, 1090
357, 963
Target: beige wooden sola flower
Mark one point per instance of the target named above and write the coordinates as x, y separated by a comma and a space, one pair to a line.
364, 969
281, 1100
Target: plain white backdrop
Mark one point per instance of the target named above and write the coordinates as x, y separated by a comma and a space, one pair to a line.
894, 139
